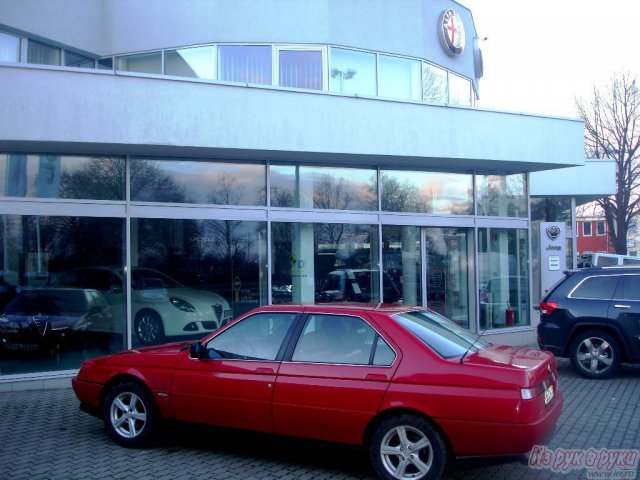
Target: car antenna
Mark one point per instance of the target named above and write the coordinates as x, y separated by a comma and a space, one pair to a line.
474, 342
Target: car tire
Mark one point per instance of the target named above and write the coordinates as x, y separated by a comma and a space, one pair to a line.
148, 327
130, 414
408, 447
595, 354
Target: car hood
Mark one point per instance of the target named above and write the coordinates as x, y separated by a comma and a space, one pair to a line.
167, 349
534, 364
191, 295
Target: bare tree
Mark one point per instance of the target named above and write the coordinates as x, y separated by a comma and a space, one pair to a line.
612, 131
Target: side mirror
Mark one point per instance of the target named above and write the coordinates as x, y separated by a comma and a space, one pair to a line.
196, 350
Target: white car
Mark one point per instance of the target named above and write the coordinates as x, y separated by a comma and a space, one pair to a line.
161, 307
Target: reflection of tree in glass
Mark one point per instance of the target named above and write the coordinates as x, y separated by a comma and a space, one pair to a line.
149, 182
434, 86
101, 178
227, 192
68, 242
281, 197
502, 195
331, 193
400, 197
104, 179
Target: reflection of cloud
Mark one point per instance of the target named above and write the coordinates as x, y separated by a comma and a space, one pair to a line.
202, 179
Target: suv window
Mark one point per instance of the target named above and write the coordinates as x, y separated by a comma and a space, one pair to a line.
601, 287
630, 288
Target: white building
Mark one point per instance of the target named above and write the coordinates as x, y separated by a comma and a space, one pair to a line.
260, 152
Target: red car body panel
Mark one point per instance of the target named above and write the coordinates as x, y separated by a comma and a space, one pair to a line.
477, 404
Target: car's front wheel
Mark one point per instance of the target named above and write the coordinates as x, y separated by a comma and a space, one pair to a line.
148, 327
408, 447
595, 354
130, 415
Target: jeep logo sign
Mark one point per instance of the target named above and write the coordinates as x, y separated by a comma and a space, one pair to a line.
553, 231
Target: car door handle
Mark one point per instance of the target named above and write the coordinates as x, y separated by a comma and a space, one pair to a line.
380, 377
265, 371
622, 306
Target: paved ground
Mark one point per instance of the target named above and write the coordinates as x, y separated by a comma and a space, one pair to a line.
43, 435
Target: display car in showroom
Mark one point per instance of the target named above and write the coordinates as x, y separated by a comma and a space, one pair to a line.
592, 316
161, 306
407, 384
48, 319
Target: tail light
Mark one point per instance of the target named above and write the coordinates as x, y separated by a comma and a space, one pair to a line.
547, 307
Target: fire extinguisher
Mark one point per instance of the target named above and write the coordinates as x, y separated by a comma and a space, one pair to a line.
509, 315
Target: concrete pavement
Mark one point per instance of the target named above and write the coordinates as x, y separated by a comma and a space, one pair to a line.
43, 435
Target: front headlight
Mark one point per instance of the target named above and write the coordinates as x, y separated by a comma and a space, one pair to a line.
181, 304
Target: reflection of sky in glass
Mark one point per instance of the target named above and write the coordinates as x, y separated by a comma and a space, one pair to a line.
190, 62
217, 183
399, 78
460, 90
429, 192
43, 176
352, 72
502, 195
323, 187
9, 48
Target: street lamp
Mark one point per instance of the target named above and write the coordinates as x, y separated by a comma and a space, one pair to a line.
347, 74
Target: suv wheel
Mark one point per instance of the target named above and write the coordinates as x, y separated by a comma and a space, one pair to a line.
595, 354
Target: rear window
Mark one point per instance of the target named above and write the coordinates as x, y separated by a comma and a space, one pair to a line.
442, 335
599, 287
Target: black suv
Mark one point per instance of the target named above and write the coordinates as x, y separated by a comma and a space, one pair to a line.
592, 316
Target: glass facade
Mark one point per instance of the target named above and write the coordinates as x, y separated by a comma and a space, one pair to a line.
179, 247
426, 192
196, 62
245, 64
502, 195
326, 188
399, 78
9, 48
348, 70
503, 272
352, 71
176, 181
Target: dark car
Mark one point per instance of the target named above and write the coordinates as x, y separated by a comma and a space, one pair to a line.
592, 316
47, 318
357, 285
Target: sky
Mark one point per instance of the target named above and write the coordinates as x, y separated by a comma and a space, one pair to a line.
540, 55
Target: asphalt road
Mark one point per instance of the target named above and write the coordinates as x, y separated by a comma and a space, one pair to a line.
43, 435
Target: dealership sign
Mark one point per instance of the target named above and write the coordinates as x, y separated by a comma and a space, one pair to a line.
452, 35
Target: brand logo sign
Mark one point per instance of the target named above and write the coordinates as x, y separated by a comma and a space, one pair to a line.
452, 35
552, 232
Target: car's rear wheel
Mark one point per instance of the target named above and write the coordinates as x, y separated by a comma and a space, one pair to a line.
408, 447
130, 415
595, 354
148, 327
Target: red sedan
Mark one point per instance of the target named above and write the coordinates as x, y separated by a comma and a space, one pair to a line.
409, 385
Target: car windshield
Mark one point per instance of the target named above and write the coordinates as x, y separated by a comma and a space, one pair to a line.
149, 279
439, 333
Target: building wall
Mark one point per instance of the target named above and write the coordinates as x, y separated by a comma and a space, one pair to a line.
93, 111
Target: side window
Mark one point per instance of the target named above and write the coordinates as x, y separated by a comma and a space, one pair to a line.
630, 288
596, 287
384, 355
335, 339
258, 337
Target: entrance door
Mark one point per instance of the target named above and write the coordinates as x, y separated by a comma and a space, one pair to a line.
448, 273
